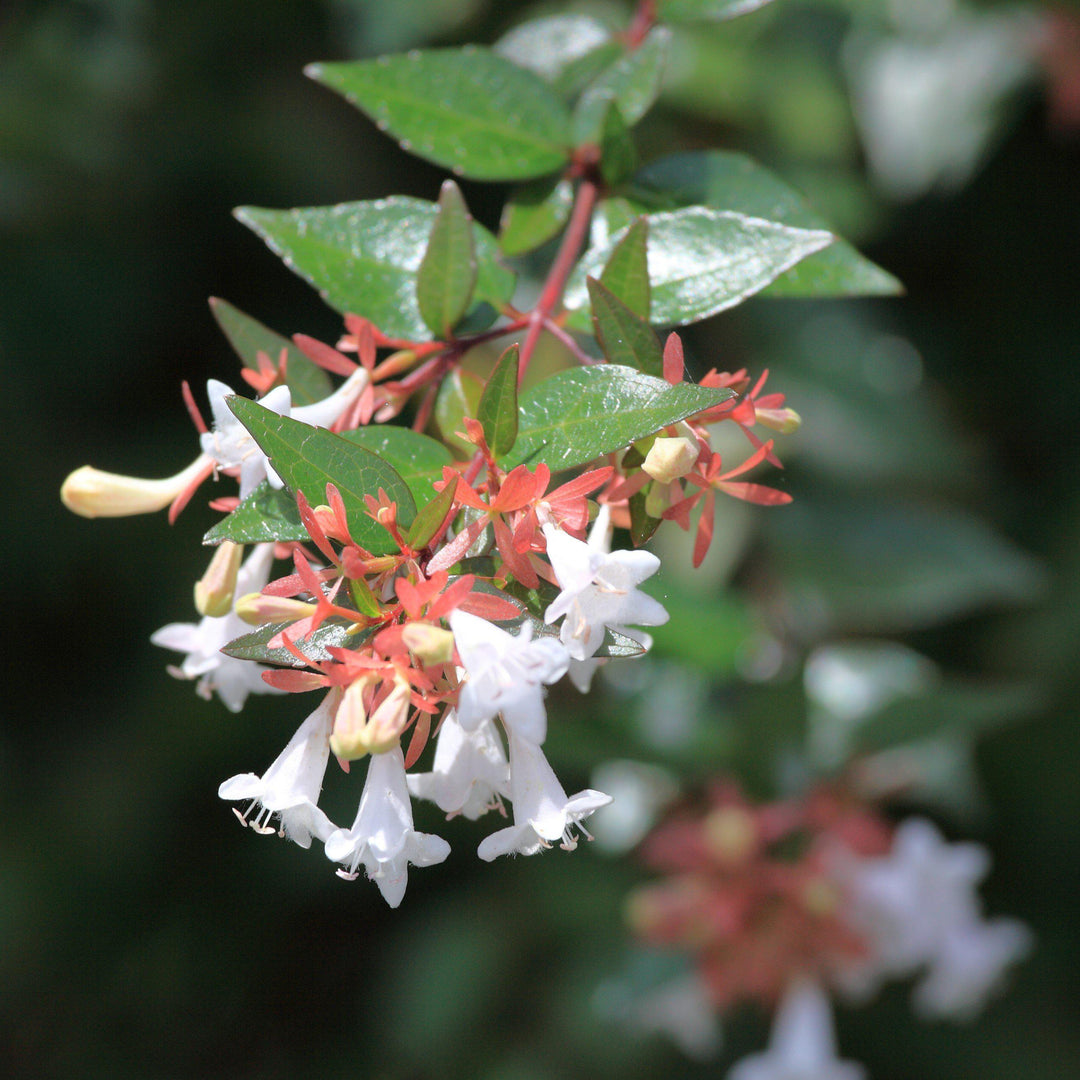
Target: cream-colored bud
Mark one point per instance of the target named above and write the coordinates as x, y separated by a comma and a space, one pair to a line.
347, 740
658, 497
214, 590
388, 721
671, 457
731, 833
429, 643
256, 608
785, 421
92, 493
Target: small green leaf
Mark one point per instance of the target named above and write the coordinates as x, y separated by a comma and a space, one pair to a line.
307, 381
534, 213
331, 634
469, 110
431, 516
626, 272
706, 10
308, 458
417, 459
267, 514
624, 336
581, 414
726, 180
642, 523
364, 598
363, 257
458, 397
634, 80
447, 273
703, 261
498, 410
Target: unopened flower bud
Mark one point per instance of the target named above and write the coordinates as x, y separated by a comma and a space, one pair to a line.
214, 590
388, 721
671, 457
347, 740
431, 644
731, 834
256, 608
658, 497
785, 421
92, 493
358, 731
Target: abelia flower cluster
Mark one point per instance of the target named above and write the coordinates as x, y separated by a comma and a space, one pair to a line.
783, 902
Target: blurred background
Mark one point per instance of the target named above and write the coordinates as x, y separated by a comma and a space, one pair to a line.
917, 604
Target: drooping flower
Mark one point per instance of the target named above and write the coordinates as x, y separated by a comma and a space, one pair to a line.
231, 679
382, 838
470, 774
505, 674
802, 1044
542, 811
599, 587
290, 787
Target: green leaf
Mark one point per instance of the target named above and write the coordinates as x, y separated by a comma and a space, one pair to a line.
702, 261
267, 514
534, 213
498, 410
729, 181
583, 413
626, 273
308, 458
458, 397
417, 459
634, 80
447, 274
625, 337
430, 517
642, 523
307, 381
550, 44
331, 634
469, 110
363, 257
706, 10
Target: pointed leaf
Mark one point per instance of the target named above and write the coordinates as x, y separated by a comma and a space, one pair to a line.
458, 397
583, 413
332, 634
626, 273
726, 180
417, 459
363, 257
469, 110
624, 337
267, 514
431, 515
534, 213
642, 523
447, 273
308, 458
634, 80
703, 261
706, 10
307, 381
498, 410
548, 45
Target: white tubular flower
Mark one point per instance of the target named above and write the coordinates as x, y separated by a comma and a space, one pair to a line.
802, 1044
92, 493
232, 679
906, 903
599, 588
471, 772
232, 447
542, 811
505, 674
970, 966
382, 837
290, 787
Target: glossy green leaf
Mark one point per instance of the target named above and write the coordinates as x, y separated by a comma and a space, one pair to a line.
363, 257
706, 10
534, 213
308, 458
417, 459
624, 336
626, 272
726, 180
642, 524
634, 80
458, 397
498, 409
307, 381
581, 414
703, 261
267, 514
430, 516
468, 109
550, 44
331, 634
447, 274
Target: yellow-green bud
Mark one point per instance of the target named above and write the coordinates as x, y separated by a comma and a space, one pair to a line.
92, 493
429, 643
256, 608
